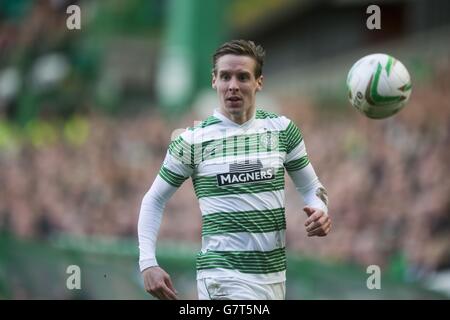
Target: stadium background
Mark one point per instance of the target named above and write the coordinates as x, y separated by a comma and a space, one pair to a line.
86, 116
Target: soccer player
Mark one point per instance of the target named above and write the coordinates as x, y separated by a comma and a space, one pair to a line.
237, 159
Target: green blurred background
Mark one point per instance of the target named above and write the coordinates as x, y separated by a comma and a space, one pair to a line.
86, 116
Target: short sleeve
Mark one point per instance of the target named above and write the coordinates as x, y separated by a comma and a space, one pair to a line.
178, 163
296, 156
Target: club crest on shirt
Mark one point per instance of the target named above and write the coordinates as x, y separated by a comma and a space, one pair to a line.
268, 140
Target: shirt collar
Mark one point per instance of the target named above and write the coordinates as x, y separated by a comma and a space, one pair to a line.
228, 121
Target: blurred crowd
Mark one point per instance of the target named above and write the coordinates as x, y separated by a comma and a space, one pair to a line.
387, 180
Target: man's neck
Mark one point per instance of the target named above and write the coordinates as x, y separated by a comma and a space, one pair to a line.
239, 118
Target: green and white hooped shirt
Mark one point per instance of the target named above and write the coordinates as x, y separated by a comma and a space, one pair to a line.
238, 177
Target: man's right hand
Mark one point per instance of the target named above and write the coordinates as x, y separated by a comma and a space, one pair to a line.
157, 282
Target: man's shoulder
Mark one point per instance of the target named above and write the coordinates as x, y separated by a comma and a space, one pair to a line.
281, 120
199, 130
211, 120
263, 114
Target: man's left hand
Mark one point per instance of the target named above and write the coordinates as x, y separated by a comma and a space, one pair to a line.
318, 222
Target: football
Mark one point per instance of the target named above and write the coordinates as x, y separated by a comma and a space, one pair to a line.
378, 85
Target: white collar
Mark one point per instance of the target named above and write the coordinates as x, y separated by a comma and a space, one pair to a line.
230, 122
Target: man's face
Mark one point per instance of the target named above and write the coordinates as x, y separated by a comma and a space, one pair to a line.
236, 84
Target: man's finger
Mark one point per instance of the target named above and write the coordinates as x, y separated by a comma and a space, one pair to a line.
156, 293
169, 284
308, 210
322, 226
315, 216
318, 232
149, 290
321, 231
168, 294
323, 234
322, 220
162, 292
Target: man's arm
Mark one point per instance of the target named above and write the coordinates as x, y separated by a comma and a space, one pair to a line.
177, 167
157, 282
306, 182
316, 199
150, 216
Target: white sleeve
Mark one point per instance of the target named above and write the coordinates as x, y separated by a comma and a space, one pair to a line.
308, 185
174, 171
150, 215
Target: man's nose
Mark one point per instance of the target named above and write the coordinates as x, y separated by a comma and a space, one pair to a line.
233, 85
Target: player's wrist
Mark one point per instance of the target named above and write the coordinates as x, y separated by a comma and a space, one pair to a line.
147, 263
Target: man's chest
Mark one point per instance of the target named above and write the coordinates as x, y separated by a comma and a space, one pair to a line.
246, 158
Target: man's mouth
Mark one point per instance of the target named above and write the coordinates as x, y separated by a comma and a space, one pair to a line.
234, 98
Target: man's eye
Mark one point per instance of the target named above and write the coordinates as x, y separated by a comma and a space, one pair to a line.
225, 77
243, 77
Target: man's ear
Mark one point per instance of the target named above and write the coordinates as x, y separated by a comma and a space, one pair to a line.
259, 83
213, 81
